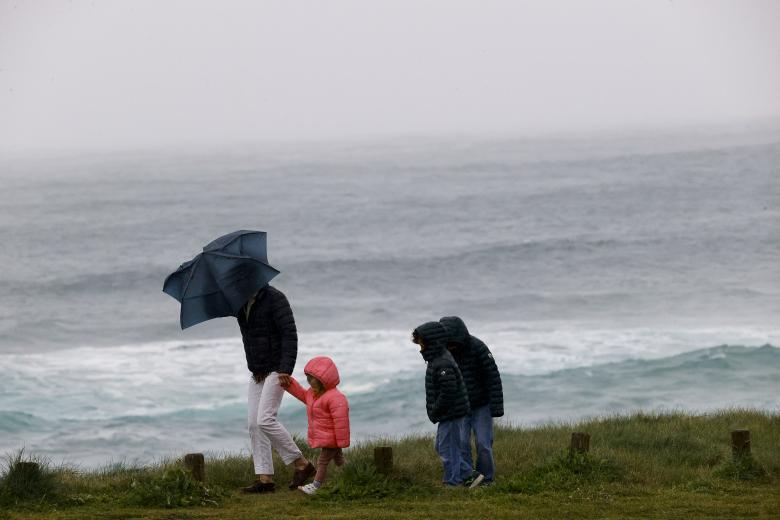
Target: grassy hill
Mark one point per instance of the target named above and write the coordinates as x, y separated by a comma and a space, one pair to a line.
639, 466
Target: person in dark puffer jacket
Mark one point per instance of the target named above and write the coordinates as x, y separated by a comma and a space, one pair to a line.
271, 347
486, 397
446, 402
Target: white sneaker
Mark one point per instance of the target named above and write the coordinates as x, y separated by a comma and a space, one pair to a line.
309, 489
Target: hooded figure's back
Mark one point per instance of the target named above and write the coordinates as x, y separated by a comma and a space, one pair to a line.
476, 363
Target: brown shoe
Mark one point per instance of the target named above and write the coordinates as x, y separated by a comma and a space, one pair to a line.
260, 487
302, 475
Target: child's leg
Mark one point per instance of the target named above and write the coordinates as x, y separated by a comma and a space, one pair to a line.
339, 457
326, 455
448, 446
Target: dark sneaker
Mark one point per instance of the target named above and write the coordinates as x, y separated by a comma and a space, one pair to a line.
302, 475
260, 487
474, 480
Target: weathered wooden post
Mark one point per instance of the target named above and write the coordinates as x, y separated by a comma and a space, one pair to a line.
196, 464
383, 459
580, 443
740, 443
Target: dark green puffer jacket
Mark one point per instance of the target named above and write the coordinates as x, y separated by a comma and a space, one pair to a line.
445, 393
477, 365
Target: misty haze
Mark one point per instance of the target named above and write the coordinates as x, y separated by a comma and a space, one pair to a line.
591, 186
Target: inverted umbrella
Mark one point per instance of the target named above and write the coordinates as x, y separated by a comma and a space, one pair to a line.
221, 279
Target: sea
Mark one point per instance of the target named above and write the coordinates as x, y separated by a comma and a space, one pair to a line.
608, 274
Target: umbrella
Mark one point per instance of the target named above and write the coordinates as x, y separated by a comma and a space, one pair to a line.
221, 279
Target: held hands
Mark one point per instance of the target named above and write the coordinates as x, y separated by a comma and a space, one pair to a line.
285, 380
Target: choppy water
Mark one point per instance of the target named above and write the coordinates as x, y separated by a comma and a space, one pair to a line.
605, 276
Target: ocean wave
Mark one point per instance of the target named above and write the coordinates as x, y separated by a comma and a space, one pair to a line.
59, 283
697, 381
96, 280
380, 397
15, 421
474, 251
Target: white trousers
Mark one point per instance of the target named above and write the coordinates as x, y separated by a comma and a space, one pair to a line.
265, 430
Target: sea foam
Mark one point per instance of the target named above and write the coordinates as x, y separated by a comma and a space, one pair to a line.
90, 404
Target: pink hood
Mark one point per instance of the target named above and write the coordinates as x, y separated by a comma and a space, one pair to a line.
324, 369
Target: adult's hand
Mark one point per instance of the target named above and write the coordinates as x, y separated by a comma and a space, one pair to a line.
284, 380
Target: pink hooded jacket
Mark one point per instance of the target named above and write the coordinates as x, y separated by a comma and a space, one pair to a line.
329, 413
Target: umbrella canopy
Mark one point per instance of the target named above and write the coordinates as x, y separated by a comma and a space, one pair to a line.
221, 279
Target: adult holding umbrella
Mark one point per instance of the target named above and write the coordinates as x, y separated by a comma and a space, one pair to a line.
231, 278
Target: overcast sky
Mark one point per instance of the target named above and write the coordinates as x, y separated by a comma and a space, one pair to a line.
117, 74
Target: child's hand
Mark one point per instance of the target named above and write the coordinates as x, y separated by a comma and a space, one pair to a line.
285, 380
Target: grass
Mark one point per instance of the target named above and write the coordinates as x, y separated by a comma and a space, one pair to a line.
640, 466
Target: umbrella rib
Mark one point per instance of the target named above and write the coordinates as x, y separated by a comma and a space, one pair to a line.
239, 234
191, 274
202, 295
243, 257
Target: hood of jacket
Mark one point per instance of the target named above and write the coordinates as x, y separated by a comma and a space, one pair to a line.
324, 369
434, 335
458, 333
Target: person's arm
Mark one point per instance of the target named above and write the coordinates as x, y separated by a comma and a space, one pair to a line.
283, 316
295, 389
492, 381
339, 411
446, 389
430, 391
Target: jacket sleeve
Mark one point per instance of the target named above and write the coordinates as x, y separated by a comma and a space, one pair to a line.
492, 381
283, 316
339, 411
296, 390
446, 388
430, 394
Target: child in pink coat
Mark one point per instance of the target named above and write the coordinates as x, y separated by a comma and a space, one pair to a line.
328, 413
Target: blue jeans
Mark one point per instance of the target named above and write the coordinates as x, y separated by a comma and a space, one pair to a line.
481, 423
449, 445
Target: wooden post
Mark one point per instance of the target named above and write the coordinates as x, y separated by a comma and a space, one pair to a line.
383, 459
580, 443
740, 443
195, 463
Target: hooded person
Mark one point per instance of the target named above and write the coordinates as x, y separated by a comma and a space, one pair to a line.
446, 402
327, 410
485, 393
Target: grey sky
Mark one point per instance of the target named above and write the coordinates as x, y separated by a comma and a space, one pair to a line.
138, 73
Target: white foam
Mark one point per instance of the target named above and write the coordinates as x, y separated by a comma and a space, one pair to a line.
158, 378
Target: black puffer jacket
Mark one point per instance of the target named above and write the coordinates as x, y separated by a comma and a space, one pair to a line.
477, 365
269, 333
445, 392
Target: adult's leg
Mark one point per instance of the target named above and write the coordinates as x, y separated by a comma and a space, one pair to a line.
261, 445
448, 446
483, 433
267, 422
